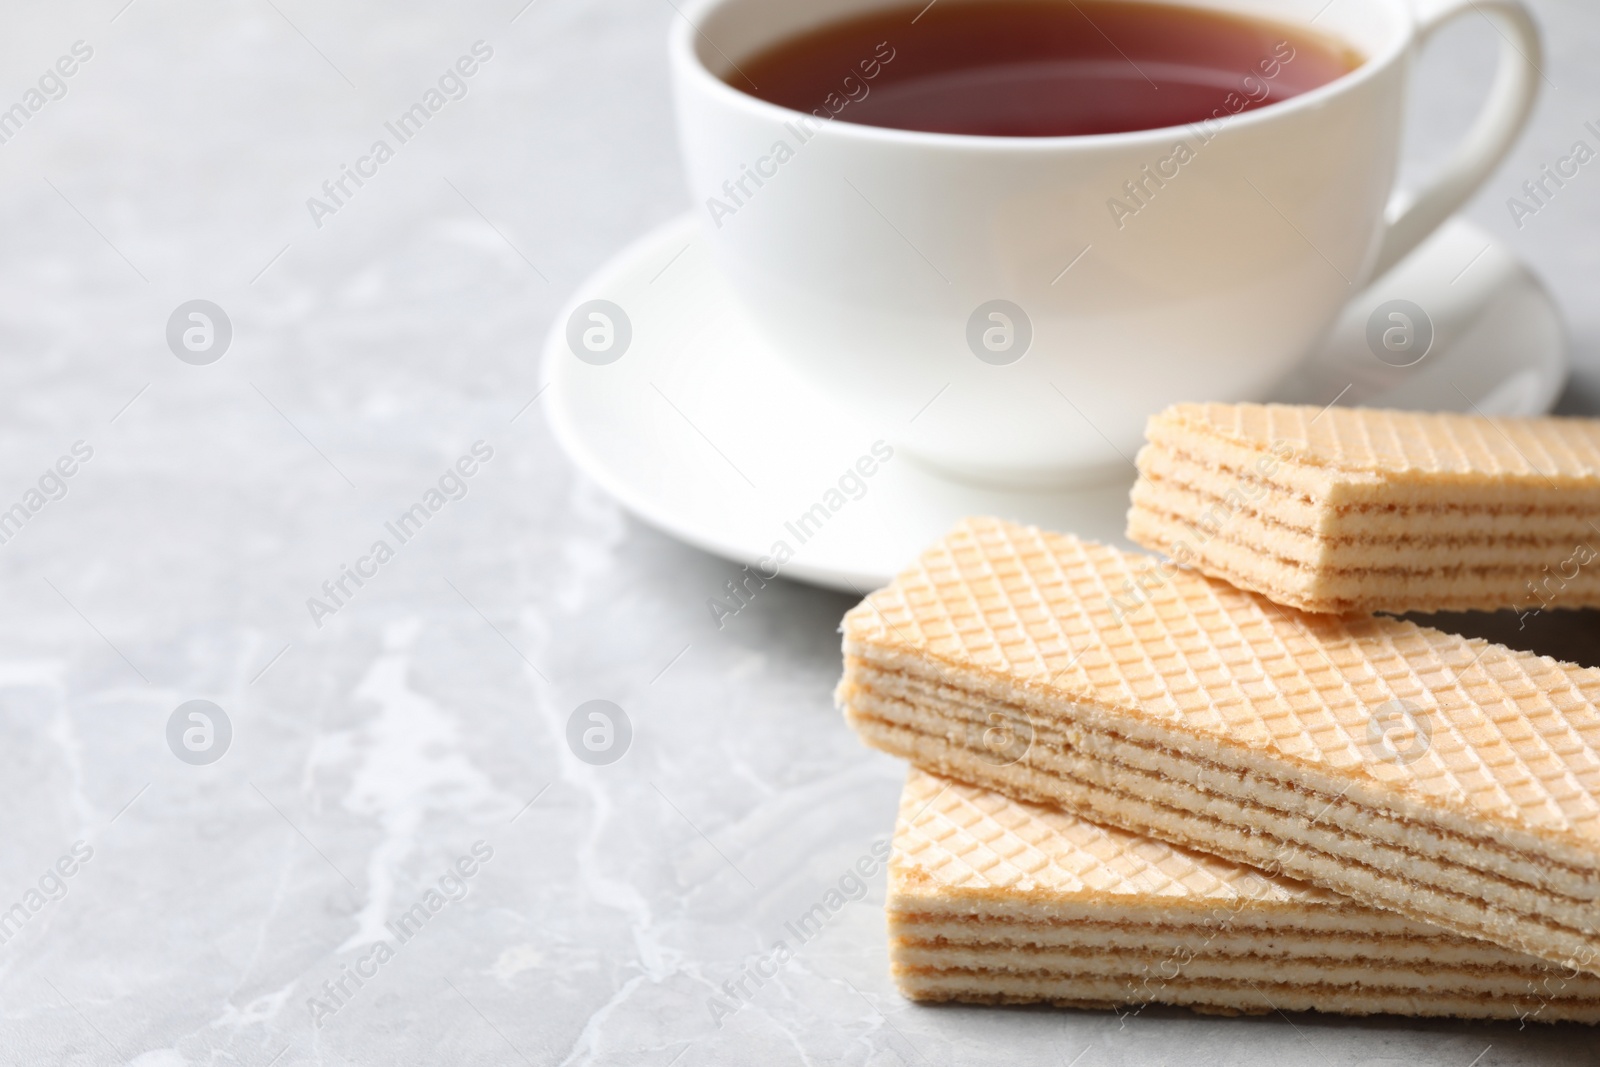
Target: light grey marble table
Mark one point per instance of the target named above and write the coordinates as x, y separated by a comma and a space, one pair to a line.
410, 747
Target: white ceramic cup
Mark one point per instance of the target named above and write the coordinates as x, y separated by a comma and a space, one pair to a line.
982, 301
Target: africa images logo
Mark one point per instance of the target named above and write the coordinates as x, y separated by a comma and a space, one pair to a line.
853, 88
338, 191
1399, 732
999, 332
599, 732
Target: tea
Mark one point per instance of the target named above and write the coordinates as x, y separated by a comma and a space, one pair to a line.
1042, 68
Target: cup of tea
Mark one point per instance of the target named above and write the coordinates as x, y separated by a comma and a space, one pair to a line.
1007, 231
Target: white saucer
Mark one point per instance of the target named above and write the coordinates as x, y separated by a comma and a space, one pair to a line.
697, 429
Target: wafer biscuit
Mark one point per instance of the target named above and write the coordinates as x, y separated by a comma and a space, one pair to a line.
992, 899
1353, 509
1450, 780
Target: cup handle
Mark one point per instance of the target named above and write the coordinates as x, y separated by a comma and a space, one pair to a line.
1411, 217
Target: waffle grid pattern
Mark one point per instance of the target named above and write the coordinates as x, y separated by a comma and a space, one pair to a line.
1409, 443
963, 837
1514, 736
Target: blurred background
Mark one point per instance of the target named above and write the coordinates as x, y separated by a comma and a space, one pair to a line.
365, 753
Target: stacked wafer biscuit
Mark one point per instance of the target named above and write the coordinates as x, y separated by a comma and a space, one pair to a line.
1446, 786
1350, 509
991, 899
